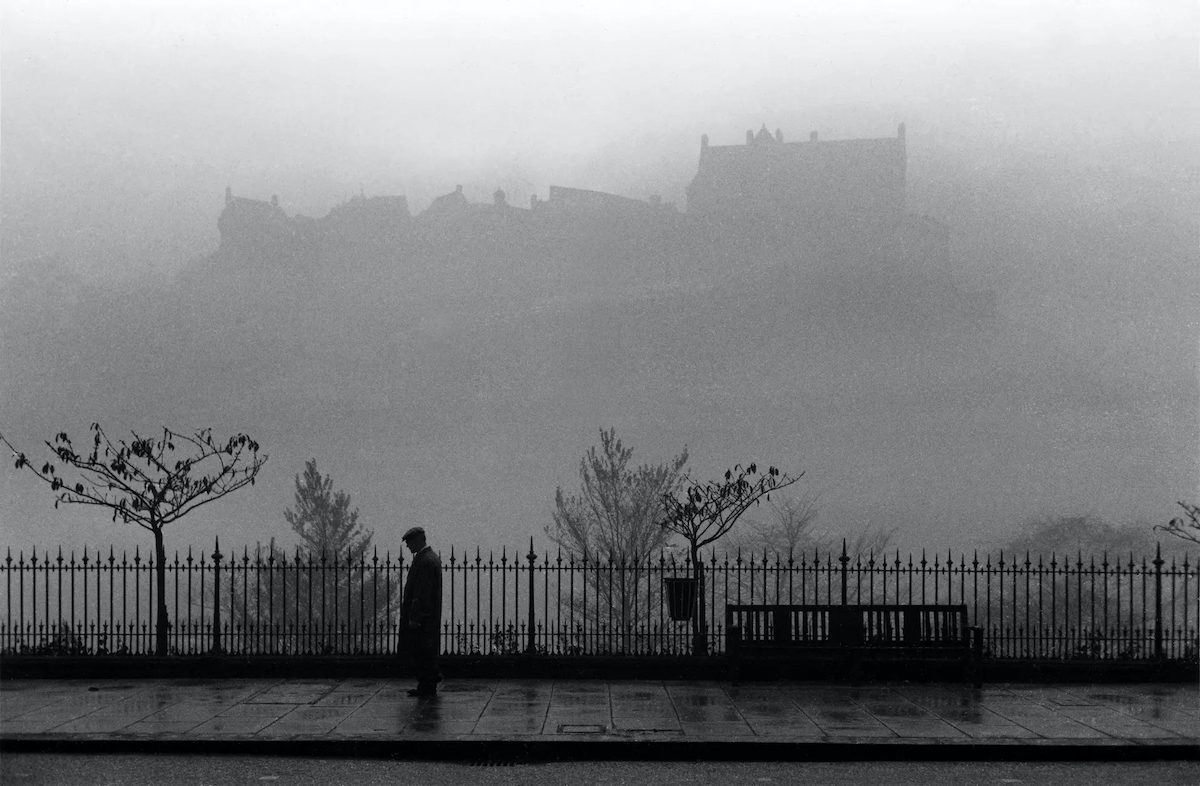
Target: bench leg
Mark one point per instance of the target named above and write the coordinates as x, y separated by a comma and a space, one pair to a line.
976, 656
733, 638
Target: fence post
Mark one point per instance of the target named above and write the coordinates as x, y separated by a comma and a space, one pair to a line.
1158, 631
845, 560
216, 631
531, 646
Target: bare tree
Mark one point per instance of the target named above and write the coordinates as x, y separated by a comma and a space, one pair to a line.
149, 482
707, 511
790, 529
1187, 527
615, 517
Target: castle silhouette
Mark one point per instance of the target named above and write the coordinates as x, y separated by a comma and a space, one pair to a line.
845, 195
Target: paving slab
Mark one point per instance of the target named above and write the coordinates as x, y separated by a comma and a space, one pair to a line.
571, 718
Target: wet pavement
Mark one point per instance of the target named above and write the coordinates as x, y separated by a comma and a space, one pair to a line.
575, 717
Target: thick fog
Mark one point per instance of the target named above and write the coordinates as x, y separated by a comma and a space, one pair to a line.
1045, 365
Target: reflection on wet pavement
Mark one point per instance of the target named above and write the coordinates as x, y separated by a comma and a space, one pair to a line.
486, 709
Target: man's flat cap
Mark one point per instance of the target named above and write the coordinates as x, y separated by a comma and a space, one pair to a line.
414, 532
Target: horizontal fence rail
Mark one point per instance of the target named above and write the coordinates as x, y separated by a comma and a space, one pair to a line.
266, 602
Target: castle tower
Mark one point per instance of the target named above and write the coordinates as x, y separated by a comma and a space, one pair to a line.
851, 188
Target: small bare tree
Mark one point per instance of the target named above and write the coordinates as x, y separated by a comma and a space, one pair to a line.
615, 516
706, 511
1187, 527
618, 508
149, 482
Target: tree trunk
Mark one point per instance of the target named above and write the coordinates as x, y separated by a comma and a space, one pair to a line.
161, 625
699, 627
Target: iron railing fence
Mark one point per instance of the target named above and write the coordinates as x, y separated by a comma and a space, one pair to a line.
268, 602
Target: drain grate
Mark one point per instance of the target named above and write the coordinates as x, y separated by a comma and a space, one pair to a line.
581, 728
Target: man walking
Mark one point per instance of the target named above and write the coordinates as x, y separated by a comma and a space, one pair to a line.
421, 612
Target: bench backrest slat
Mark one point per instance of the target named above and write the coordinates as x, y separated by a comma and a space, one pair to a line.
909, 625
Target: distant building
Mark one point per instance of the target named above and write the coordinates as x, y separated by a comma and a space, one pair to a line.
248, 223
579, 200
454, 203
376, 209
834, 186
842, 199
364, 218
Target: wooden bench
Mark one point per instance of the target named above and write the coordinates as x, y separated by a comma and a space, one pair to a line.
853, 634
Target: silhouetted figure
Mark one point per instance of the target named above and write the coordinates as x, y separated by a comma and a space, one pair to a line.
421, 612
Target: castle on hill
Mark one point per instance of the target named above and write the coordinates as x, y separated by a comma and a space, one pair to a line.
845, 194
855, 185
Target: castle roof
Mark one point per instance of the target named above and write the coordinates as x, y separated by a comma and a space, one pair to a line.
455, 200
769, 177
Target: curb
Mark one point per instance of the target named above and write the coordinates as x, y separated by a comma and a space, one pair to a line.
524, 750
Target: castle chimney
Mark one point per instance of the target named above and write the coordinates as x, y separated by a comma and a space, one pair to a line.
900, 131
812, 136
228, 195
778, 135
704, 140
749, 137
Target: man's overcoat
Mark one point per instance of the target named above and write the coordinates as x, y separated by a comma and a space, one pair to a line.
421, 606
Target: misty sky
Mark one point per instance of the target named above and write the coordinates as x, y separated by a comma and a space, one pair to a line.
121, 124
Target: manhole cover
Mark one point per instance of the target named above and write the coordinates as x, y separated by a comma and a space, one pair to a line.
580, 728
